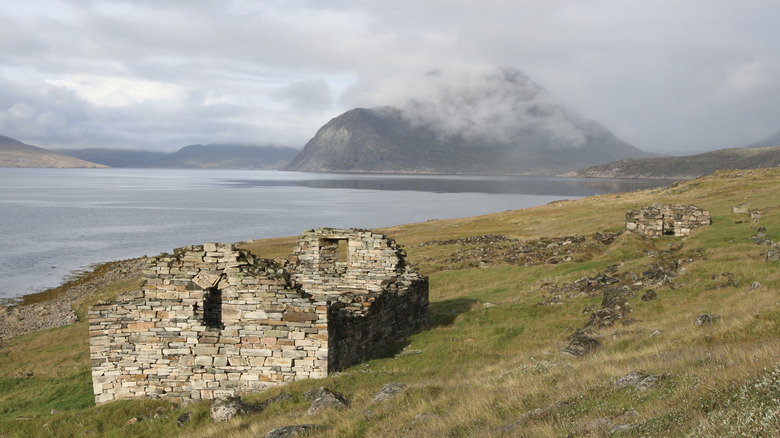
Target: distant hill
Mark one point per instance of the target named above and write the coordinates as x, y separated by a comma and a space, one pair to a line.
686, 167
213, 156
227, 156
506, 125
14, 153
772, 140
115, 157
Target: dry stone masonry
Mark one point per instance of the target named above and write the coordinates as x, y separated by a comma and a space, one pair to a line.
667, 219
213, 320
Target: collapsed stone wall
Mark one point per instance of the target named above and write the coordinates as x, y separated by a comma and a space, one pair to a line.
213, 320
666, 219
375, 298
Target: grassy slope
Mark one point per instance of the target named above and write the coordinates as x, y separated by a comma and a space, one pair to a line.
687, 166
482, 368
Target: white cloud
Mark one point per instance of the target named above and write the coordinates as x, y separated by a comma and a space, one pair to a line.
116, 92
664, 75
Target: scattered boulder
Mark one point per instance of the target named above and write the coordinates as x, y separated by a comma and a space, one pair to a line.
649, 295
471, 240
707, 318
631, 379
598, 427
580, 344
225, 408
649, 382
639, 380
620, 428
630, 412
773, 254
741, 208
323, 398
183, 419
493, 249
292, 431
316, 393
389, 391
728, 280
760, 237
614, 307
603, 318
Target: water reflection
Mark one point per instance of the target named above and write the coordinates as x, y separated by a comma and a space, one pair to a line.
529, 185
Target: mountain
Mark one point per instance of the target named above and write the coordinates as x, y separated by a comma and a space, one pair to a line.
687, 167
227, 156
115, 157
506, 125
213, 156
14, 153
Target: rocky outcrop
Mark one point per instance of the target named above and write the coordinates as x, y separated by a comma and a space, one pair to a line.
707, 319
292, 431
323, 398
580, 344
225, 408
487, 250
616, 287
614, 307
639, 380
389, 391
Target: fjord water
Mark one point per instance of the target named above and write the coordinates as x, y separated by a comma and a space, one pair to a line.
56, 221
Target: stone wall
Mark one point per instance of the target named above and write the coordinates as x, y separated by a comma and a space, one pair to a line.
666, 219
335, 261
213, 320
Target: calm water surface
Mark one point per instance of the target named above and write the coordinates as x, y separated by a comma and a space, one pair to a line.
55, 221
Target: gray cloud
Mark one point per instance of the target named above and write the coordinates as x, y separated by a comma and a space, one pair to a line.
666, 76
497, 104
306, 95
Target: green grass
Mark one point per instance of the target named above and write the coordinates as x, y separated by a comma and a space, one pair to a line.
490, 355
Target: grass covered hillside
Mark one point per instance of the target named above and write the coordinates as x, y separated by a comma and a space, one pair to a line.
546, 321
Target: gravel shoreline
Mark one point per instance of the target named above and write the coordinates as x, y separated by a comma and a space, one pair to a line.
20, 319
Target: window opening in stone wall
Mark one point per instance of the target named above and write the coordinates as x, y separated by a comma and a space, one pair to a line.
212, 308
334, 255
341, 253
668, 227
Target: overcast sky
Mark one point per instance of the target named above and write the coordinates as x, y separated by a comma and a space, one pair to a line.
668, 76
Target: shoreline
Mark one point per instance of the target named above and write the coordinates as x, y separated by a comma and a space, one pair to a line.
54, 307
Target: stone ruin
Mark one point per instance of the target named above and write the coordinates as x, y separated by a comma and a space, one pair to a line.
213, 320
667, 219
